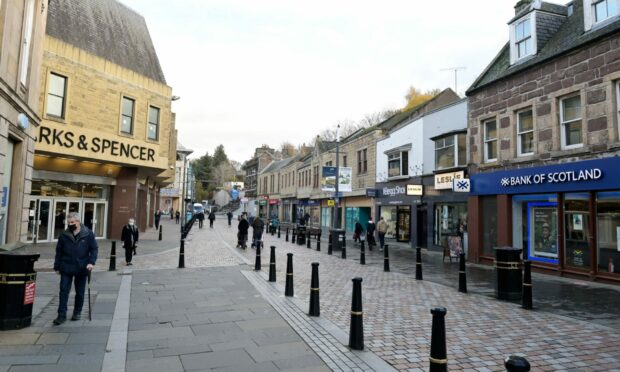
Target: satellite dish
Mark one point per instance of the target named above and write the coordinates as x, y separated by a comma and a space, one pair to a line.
22, 121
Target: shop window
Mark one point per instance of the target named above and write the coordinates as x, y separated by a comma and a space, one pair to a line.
535, 226
344, 161
570, 122
489, 225
326, 217
398, 164
127, 115
56, 95
450, 220
490, 141
608, 232
577, 230
153, 130
450, 151
525, 133
389, 215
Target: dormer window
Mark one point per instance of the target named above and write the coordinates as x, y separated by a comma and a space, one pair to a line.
604, 9
523, 38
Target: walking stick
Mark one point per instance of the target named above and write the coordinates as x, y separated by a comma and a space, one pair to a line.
90, 313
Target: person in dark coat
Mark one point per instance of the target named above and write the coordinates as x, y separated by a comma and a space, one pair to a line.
157, 218
257, 230
358, 231
76, 255
130, 236
242, 234
370, 233
230, 216
177, 217
201, 217
211, 219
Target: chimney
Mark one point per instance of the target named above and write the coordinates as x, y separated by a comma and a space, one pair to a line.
521, 4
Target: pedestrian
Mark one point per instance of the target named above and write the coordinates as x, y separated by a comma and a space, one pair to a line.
76, 255
357, 235
242, 233
177, 217
230, 216
157, 217
370, 233
211, 219
130, 236
382, 229
257, 230
171, 213
201, 217
306, 218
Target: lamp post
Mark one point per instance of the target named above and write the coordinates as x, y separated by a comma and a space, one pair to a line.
337, 198
183, 192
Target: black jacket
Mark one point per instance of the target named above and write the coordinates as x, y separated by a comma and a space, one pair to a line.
258, 224
243, 226
358, 228
73, 253
126, 236
371, 227
211, 216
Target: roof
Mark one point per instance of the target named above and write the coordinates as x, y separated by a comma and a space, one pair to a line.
183, 149
544, 6
107, 29
569, 36
278, 164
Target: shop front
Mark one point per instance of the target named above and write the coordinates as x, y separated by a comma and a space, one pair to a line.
356, 208
565, 217
274, 208
394, 205
310, 209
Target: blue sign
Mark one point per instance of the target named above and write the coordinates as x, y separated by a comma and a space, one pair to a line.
599, 174
371, 193
234, 194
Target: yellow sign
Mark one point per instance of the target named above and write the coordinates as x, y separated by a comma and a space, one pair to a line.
331, 203
416, 190
91, 144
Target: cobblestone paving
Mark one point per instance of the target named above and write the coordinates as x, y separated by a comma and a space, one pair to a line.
480, 331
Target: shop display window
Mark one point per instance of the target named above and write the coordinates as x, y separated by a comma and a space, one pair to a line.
450, 220
608, 231
389, 214
315, 216
535, 226
489, 224
326, 217
577, 251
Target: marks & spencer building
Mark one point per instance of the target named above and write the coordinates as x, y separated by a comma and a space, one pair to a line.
106, 143
544, 135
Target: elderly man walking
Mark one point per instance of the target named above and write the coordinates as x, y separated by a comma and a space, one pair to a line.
76, 254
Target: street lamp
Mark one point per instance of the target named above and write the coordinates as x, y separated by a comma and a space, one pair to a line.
183, 193
337, 198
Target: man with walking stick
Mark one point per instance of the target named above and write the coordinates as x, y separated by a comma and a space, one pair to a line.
76, 254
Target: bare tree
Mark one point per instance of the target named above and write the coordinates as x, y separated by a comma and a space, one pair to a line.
288, 149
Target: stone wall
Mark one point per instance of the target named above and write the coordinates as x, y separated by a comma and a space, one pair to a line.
591, 72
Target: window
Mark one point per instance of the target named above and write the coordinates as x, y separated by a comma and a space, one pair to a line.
490, 141
56, 95
604, 9
398, 164
127, 116
328, 164
525, 133
364, 161
523, 39
570, 119
344, 161
153, 130
447, 155
26, 42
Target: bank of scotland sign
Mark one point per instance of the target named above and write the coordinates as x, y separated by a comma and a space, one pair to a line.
461, 185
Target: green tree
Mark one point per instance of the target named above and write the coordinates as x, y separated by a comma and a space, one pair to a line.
219, 156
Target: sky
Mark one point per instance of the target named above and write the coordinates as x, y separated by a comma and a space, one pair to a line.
254, 72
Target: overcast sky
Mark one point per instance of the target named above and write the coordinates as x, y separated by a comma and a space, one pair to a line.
253, 72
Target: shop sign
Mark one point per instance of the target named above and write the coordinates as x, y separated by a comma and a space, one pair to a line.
371, 193
461, 185
169, 192
313, 203
262, 202
444, 181
274, 201
597, 174
286, 202
29, 293
331, 203
393, 191
415, 190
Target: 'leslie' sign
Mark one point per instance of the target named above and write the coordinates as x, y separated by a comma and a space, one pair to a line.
444, 181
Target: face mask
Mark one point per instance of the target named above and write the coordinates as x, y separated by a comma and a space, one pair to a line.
131, 224
72, 227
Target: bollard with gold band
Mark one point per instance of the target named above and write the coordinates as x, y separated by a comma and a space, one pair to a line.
527, 285
278, 231
362, 253
308, 242
439, 358
272, 264
293, 238
356, 330
462, 274
418, 263
329, 245
257, 260
288, 288
113, 257
182, 254
286, 236
318, 242
386, 259
343, 253
314, 291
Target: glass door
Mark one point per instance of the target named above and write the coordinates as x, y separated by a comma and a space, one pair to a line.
43, 220
60, 217
404, 224
88, 218
32, 218
101, 210
577, 231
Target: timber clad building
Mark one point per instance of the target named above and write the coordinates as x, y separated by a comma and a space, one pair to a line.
107, 142
544, 141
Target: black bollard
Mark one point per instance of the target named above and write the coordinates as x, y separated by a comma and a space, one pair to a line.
439, 357
344, 249
160, 230
293, 237
278, 231
113, 257
314, 291
362, 253
418, 263
344, 240
462, 274
257, 261
308, 236
286, 236
329, 244
386, 259
527, 285
515, 363
356, 331
182, 254
318, 243
288, 289
272, 264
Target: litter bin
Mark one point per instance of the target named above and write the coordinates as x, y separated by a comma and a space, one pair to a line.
337, 235
17, 288
301, 235
508, 276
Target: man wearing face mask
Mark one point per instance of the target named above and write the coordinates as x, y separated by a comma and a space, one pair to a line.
129, 236
76, 254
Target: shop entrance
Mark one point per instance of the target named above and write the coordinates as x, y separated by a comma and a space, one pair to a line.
48, 217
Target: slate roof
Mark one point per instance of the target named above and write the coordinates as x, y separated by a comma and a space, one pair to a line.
183, 149
278, 164
107, 29
569, 36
